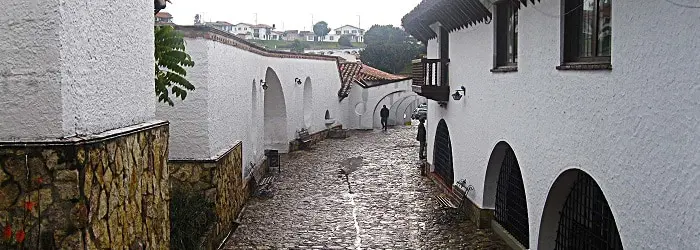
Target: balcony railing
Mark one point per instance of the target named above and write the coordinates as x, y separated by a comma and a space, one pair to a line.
430, 78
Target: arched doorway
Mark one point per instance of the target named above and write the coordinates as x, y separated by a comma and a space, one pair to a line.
308, 103
505, 193
387, 100
577, 215
275, 113
442, 154
399, 111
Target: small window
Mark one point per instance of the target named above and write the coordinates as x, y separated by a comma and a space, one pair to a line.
354, 31
506, 31
331, 37
587, 31
337, 32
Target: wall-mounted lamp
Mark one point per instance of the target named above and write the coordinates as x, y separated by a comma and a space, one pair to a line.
262, 83
457, 96
297, 80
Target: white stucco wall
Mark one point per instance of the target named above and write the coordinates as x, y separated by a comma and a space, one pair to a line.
189, 120
233, 106
73, 68
635, 129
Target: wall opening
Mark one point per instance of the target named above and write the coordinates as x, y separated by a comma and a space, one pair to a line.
308, 103
275, 113
577, 215
442, 154
510, 203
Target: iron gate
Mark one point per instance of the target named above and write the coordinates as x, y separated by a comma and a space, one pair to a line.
511, 206
586, 221
442, 154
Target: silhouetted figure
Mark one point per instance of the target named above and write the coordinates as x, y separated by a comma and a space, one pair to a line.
421, 138
384, 113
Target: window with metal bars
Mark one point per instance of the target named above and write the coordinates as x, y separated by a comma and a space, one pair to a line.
442, 154
586, 221
511, 205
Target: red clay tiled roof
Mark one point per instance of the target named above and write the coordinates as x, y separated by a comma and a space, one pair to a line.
365, 76
348, 73
371, 74
164, 15
261, 26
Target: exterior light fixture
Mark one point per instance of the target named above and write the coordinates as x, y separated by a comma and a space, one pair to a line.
297, 80
263, 84
456, 96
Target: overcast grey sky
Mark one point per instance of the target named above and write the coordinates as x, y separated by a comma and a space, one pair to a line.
293, 14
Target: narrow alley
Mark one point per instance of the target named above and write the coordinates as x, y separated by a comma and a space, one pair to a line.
391, 206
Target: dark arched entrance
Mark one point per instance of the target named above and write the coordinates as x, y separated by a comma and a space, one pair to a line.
585, 220
511, 205
442, 154
505, 193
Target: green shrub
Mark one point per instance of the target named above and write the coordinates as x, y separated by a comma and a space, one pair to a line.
190, 218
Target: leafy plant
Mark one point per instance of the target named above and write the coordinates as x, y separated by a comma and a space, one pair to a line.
171, 59
191, 215
299, 46
321, 30
344, 40
390, 48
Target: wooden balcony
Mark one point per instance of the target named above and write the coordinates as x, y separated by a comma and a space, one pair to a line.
430, 79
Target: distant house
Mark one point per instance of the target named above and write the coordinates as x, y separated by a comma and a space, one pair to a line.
262, 31
291, 35
243, 30
164, 18
221, 25
356, 34
275, 35
307, 36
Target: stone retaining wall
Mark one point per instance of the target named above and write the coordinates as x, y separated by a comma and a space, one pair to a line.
104, 191
220, 181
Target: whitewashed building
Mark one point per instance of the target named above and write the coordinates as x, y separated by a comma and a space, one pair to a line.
249, 94
368, 89
243, 30
576, 121
356, 34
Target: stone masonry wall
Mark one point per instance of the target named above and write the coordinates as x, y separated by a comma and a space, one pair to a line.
220, 181
107, 191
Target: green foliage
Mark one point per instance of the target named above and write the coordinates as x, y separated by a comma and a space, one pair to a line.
344, 40
190, 218
171, 59
321, 30
299, 46
390, 48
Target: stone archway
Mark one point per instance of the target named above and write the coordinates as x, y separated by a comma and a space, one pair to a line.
504, 192
275, 114
399, 109
308, 104
387, 100
442, 154
577, 215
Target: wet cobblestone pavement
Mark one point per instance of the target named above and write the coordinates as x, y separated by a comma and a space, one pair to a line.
391, 207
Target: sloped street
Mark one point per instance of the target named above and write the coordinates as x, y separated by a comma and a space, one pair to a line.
391, 205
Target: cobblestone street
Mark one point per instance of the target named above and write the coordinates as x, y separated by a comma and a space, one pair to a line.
391, 207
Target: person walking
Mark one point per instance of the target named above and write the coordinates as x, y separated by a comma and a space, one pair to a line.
384, 113
421, 138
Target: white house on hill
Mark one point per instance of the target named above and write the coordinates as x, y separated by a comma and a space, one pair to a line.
576, 121
356, 34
